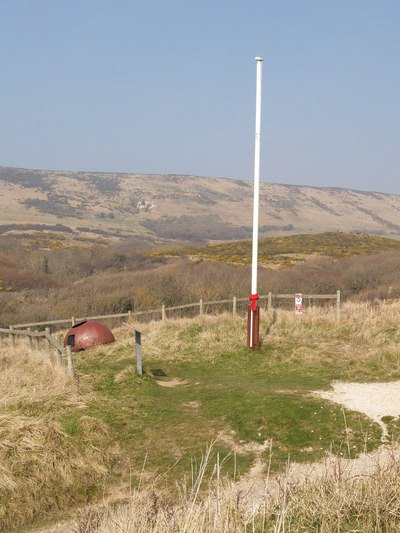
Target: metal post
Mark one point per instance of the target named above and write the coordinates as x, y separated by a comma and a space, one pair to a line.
234, 307
73, 321
338, 306
269, 304
253, 315
201, 311
138, 346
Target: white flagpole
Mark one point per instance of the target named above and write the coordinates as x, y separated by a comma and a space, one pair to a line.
259, 61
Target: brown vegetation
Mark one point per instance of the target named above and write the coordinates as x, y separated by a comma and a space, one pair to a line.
43, 469
202, 208
336, 500
112, 280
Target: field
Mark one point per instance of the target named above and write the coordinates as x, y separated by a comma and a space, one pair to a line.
201, 385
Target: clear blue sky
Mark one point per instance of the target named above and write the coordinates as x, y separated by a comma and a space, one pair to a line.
169, 87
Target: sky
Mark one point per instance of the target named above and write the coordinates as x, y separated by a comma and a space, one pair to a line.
169, 87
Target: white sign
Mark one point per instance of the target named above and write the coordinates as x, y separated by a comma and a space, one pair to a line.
298, 304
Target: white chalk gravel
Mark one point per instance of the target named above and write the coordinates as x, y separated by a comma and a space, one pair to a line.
375, 400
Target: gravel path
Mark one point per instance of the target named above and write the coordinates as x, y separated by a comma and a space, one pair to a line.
375, 400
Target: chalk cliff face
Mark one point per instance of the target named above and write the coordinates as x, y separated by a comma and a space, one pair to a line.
165, 207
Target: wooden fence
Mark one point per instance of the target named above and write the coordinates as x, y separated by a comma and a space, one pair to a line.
202, 305
64, 356
54, 347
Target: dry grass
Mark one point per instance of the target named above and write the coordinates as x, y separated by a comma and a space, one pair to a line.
29, 382
43, 468
35, 450
337, 500
375, 324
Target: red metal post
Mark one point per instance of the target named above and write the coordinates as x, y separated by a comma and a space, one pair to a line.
253, 323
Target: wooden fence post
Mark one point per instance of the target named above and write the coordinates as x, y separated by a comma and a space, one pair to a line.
72, 321
234, 307
138, 348
48, 340
163, 314
338, 306
201, 310
12, 338
58, 357
37, 340
70, 362
129, 316
269, 304
30, 340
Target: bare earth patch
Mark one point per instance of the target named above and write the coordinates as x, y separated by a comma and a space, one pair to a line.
172, 382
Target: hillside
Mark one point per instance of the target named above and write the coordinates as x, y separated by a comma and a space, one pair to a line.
104, 207
276, 252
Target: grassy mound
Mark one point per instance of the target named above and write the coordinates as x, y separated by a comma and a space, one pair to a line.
221, 390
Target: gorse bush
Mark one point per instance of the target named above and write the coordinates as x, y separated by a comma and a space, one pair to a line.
288, 250
183, 281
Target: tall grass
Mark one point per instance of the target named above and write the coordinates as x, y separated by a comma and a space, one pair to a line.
338, 498
42, 468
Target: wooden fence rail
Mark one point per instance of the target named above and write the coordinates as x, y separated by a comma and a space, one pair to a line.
64, 355
53, 345
202, 304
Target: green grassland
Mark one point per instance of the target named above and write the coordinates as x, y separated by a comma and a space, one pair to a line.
287, 251
225, 389
223, 392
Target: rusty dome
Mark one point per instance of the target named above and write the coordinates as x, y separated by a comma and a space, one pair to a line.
86, 334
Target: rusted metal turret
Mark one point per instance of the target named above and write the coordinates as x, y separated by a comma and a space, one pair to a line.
86, 334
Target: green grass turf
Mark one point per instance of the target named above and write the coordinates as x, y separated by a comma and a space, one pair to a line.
259, 395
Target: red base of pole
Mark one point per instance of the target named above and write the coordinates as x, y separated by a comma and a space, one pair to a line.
253, 326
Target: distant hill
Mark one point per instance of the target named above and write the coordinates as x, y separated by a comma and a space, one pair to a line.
189, 208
